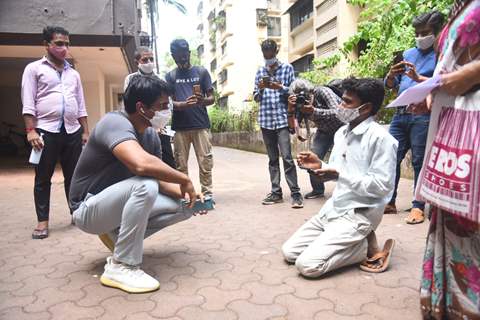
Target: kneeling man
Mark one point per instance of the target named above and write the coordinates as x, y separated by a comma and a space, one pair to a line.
122, 191
363, 163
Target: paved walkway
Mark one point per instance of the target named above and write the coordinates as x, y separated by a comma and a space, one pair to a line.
226, 265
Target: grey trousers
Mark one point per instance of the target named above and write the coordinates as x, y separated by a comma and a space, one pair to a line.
322, 244
129, 211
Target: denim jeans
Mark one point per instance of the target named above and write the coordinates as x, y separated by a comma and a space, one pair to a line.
321, 143
411, 133
276, 140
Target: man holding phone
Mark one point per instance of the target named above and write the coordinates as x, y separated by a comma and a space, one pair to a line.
192, 93
410, 123
272, 83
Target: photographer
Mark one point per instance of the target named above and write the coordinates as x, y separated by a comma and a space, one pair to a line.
410, 123
320, 107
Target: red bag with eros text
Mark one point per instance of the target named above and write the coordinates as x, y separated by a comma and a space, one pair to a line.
450, 177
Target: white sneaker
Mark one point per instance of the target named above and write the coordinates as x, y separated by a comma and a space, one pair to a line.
127, 278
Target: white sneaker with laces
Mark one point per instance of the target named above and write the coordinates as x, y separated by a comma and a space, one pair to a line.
127, 278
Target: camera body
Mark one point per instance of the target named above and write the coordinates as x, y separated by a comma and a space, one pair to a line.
267, 79
302, 99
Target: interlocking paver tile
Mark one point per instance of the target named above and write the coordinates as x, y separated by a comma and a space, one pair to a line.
52, 296
250, 311
72, 311
198, 313
206, 270
112, 310
8, 300
18, 314
327, 315
188, 285
302, 308
233, 281
146, 316
225, 265
347, 303
35, 283
306, 288
265, 294
380, 312
216, 299
168, 303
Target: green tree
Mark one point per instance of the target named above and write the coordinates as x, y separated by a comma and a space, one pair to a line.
384, 27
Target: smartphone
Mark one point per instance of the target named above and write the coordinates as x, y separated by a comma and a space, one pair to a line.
207, 204
266, 79
197, 90
398, 57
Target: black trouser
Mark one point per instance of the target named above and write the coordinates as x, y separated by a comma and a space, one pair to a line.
63, 146
167, 152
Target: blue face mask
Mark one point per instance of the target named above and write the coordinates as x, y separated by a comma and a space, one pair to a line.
270, 62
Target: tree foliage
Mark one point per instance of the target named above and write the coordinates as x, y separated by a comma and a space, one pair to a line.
384, 28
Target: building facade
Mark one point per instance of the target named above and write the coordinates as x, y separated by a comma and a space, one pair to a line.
103, 35
230, 34
317, 29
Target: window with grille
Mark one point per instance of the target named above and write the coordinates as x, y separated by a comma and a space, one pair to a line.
213, 65
223, 102
274, 27
327, 47
325, 5
330, 25
223, 76
301, 12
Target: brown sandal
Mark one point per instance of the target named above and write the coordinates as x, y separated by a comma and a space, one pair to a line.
40, 233
379, 262
415, 216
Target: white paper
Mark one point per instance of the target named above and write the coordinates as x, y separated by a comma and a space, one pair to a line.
415, 94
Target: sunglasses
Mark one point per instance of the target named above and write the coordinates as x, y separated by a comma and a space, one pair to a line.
146, 59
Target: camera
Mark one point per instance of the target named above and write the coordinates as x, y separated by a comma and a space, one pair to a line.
302, 99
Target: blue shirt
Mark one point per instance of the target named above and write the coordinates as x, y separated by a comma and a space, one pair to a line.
273, 103
424, 63
182, 82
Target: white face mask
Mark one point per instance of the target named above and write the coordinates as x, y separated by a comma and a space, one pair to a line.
146, 67
424, 43
161, 118
348, 115
270, 62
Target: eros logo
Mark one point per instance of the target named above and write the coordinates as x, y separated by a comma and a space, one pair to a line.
450, 163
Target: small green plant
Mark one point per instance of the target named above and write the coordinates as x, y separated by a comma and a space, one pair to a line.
223, 120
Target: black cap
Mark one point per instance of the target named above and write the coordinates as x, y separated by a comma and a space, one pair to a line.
179, 45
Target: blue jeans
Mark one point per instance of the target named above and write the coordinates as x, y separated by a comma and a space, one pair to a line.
411, 133
276, 140
321, 143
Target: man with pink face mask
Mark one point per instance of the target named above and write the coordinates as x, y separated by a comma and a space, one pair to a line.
55, 118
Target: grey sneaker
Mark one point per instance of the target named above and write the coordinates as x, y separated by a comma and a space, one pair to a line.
297, 201
272, 198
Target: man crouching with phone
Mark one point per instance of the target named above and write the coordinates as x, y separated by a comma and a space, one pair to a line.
363, 163
123, 191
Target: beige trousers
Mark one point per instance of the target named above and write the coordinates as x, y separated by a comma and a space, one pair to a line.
203, 150
322, 244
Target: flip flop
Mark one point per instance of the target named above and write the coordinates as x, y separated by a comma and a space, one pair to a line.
379, 262
415, 216
40, 233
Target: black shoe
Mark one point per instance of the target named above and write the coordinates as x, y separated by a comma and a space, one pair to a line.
297, 201
272, 198
314, 195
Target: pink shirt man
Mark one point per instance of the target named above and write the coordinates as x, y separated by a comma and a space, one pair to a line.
53, 98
